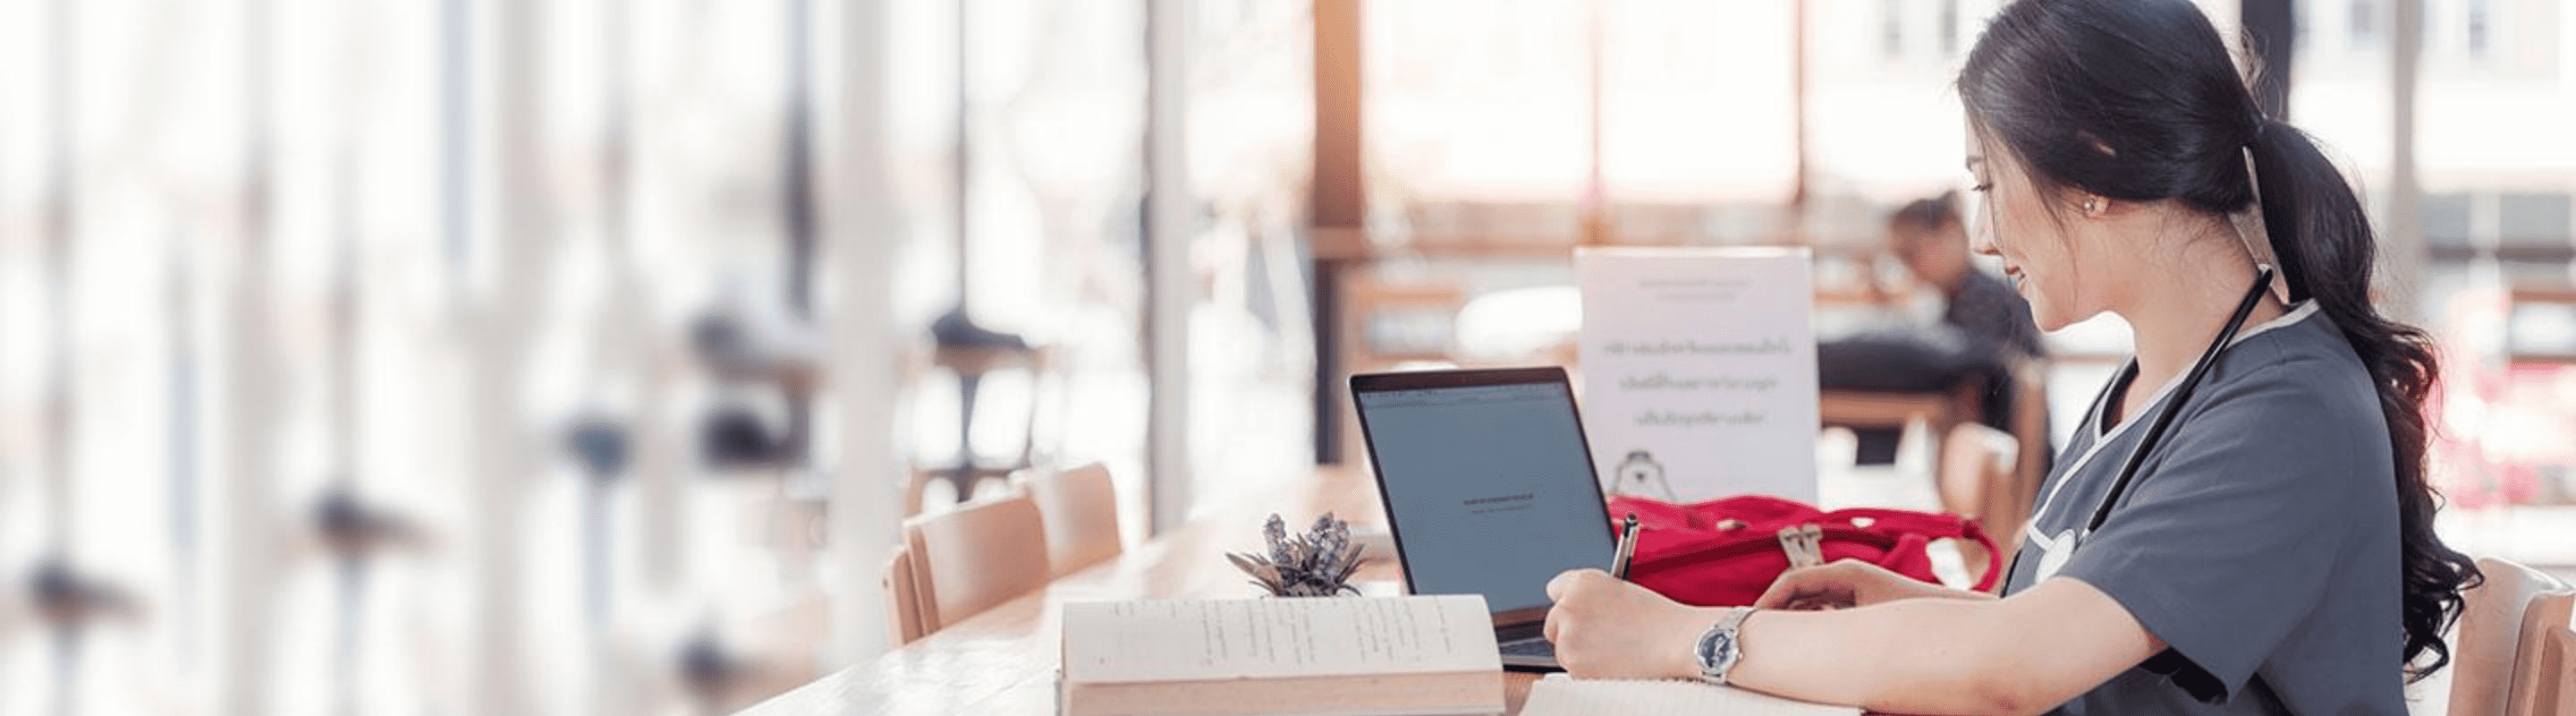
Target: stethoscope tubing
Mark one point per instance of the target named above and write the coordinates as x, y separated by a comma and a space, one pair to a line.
2164, 418
2182, 394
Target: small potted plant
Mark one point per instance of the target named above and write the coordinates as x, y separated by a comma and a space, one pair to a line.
1318, 563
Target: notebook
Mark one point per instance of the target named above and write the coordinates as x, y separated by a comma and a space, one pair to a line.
1489, 490
1560, 696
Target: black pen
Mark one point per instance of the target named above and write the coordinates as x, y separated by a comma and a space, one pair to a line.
1627, 548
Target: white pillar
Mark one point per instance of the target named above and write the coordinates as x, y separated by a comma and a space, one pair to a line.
623, 340
2401, 228
60, 212
661, 438
498, 328
248, 504
246, 530
862, 222
1170, 224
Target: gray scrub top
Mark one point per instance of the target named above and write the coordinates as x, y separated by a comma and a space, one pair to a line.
2258, 540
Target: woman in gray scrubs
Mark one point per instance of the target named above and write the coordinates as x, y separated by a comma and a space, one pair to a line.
2271, 551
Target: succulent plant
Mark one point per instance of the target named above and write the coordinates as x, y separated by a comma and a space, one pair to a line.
1317, 563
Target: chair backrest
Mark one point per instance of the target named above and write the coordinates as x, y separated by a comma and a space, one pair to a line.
903, 597
1080, 507
2030, 427
974, 557
1975, 479
2540, 667
1974, 458
2557, 674
2490, 631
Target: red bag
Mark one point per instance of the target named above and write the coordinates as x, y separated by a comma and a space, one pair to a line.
1726, 552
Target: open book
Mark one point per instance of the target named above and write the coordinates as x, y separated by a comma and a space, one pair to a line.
1340, 656
1557, 695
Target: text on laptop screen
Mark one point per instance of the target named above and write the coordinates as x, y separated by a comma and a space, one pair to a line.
1493, 491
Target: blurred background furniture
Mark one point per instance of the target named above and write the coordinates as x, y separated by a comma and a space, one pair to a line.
2552, 674
981, 554
2490, 658
970, 353
1387, 326
903, 598
1080, 510
1975, 478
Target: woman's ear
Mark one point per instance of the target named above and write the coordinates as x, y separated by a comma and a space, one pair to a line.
2087, 204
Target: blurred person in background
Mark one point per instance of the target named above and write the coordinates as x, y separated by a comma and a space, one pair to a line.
1984, 335
2272, 553
1929, 237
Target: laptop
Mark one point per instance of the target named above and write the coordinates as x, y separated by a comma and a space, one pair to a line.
1489, 489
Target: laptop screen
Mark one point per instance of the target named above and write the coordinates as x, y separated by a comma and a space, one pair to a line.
1490, 486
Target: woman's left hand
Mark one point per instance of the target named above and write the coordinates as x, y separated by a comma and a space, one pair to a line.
1608, 628
1847, 583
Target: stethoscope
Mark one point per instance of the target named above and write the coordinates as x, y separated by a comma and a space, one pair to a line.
2055, 552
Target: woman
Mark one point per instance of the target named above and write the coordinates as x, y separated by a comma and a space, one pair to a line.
2274, 551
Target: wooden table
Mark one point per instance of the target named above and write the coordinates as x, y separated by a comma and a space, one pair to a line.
1004, 661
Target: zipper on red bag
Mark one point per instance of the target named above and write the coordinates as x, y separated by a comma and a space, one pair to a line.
1767, 544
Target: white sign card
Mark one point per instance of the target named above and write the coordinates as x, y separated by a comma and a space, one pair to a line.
1699, 370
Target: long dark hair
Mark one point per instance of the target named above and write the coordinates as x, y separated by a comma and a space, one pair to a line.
2138, 100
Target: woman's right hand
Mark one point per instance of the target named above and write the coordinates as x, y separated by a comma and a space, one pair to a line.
1847, 583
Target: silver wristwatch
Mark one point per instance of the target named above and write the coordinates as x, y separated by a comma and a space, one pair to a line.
1722, 646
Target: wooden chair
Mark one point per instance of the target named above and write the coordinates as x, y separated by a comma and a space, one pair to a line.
2030, 429
1975, 477
2541, 670
981, 554
2488, 651
1878, 409
903, 597
1939, 411
2555, 674
1998, 480
1080, 509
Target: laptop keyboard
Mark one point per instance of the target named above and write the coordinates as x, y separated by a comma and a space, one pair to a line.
1529, 647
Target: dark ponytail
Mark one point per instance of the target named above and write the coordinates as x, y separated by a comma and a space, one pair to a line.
2326, 250
2138, 100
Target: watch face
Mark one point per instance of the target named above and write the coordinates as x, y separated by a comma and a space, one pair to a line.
1719, 650
1713, 650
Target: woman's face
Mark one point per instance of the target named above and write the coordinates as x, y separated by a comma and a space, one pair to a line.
2038, 250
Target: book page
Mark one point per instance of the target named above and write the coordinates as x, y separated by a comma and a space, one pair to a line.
1201, 639
1557, 695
